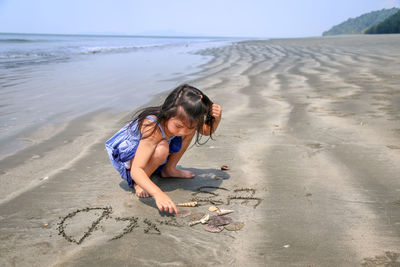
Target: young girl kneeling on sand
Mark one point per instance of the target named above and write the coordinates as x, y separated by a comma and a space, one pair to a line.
156, 139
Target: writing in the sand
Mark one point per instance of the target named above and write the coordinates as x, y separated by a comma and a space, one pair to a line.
132, 222
204, 195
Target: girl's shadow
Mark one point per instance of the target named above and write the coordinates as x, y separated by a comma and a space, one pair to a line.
203, 177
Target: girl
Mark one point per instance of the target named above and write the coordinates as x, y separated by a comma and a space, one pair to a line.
157, 138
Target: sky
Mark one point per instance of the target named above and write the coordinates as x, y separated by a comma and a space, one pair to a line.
236, 18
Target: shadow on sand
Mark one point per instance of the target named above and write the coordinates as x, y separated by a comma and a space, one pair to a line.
211, 178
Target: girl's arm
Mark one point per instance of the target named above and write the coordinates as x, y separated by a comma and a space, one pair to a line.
142, 158
216, 112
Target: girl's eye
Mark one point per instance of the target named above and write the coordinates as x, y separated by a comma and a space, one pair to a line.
178, 126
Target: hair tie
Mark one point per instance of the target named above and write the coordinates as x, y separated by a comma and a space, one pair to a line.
201, 96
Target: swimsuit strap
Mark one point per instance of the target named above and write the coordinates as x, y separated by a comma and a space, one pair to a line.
159, 126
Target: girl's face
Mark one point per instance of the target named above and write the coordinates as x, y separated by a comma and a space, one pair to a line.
177, 127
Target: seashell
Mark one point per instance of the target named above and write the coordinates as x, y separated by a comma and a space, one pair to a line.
223, 212
205, 219
234, 226
220, 220
213, 208
183, 213
213, 228
224, 168
187, 204
194, 223
196, 216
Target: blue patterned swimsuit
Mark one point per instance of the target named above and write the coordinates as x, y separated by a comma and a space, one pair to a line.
122, 146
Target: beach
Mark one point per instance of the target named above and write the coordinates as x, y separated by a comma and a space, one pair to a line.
311, 135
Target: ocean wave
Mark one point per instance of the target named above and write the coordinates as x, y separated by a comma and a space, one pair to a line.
71, 51
19, 40
28, 55
97, 49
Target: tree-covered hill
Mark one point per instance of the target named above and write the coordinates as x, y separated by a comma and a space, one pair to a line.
389, 25
360, 24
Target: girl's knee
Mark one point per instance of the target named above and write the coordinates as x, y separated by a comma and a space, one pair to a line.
162, 151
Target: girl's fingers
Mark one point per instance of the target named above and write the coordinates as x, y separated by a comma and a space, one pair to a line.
215, 110
216, 114
160, 207
171, 208
164, 203
175, 209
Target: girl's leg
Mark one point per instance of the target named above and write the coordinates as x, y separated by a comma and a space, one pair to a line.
170, 170
158, 157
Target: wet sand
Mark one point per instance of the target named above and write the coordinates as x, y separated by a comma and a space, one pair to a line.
312, 125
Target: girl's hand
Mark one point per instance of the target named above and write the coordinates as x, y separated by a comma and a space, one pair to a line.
164, 203
216, 111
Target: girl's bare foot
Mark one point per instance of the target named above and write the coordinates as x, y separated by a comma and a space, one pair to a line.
140, 192
174, 172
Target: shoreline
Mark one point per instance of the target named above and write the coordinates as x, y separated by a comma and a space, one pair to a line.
311, 125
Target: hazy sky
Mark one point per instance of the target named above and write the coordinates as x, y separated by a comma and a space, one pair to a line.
247, 18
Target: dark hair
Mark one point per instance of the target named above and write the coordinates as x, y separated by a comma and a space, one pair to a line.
196, 105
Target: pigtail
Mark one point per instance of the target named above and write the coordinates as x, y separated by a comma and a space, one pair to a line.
209, 119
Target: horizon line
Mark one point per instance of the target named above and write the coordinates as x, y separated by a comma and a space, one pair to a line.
133, 35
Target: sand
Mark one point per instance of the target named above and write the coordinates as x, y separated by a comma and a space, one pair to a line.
310, 128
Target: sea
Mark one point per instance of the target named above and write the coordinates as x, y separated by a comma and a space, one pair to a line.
51, 78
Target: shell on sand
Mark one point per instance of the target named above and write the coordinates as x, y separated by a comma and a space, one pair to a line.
219, 220
187, 204
213, 228
224, 168
234, 226
205, 219
212, 208
183, 213
223, 212
194, 223
196, 216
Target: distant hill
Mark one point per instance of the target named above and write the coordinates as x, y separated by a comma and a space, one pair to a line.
360, 24
389, 25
